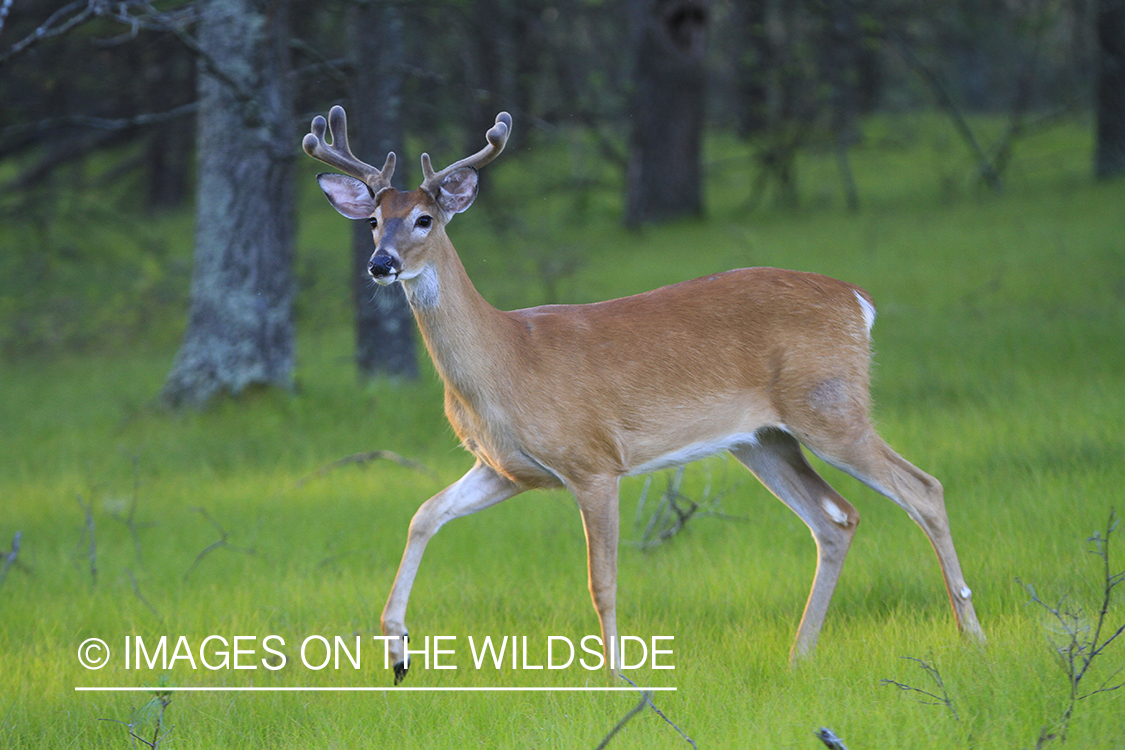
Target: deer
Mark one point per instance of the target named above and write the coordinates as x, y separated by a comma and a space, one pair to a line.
757, 362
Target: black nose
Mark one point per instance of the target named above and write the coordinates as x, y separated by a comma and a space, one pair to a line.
382, 264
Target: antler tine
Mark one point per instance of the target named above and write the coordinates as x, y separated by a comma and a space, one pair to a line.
497, 137
339, 154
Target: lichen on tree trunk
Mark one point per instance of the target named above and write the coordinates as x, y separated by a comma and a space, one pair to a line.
240, 326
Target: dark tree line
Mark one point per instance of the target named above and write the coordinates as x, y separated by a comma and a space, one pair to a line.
215, 94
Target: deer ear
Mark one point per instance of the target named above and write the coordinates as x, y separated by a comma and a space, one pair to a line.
349, 196
458, 190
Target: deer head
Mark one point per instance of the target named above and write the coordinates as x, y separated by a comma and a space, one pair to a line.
403, 225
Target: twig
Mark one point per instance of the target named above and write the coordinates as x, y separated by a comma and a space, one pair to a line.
4, 8
242, 94
148, 19
145, 17
156, 708
624, 720
334, 68
648, 698
137, 591
364, 458
47, 29
1081, 644
129, 521
829, 738
945, 99
81, 11
935, 675
222, 542
675, 509
101, 123
10, 557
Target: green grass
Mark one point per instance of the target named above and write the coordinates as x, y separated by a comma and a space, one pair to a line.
1000, 369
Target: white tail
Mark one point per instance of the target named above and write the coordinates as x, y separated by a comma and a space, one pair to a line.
755, 361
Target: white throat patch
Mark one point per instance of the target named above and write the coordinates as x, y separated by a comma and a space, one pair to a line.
423, 290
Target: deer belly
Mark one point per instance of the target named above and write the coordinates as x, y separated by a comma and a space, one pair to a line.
690, 452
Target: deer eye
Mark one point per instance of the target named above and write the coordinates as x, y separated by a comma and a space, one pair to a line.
373, 222
424, 222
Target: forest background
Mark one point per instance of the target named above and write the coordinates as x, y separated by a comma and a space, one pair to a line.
158, 475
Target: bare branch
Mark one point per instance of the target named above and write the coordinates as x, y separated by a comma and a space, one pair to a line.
221, 543
646, 699
937, 700
1105, 686
624, 720
674, 509
1081, 643
129, 520
56, 24
137, 15
212, 67
364, 458
945, 100
337, 69
147, 18
10, 557
101, 123
153, 710
830, 740
4, 8
137, 591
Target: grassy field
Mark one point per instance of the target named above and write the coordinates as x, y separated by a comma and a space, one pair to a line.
1000, 369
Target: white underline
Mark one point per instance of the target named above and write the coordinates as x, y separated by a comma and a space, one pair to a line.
151, 689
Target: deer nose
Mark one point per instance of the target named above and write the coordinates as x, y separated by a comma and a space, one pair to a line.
382, 264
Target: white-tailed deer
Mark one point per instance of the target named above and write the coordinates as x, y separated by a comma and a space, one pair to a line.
755, 361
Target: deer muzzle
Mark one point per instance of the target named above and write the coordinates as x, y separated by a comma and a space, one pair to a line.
384, 267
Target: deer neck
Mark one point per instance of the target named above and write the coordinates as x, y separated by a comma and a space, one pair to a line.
467, 338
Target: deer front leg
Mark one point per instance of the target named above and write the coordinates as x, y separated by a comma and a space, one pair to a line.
597, 499
480, 488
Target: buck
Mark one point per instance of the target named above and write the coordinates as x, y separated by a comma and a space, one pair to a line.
756, 361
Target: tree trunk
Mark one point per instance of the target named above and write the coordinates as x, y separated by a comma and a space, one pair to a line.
663, 179
1109, 89
240, 327
384, 325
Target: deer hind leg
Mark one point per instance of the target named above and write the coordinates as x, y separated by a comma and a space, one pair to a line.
598, 500
869, 459
478, 489
776, 460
